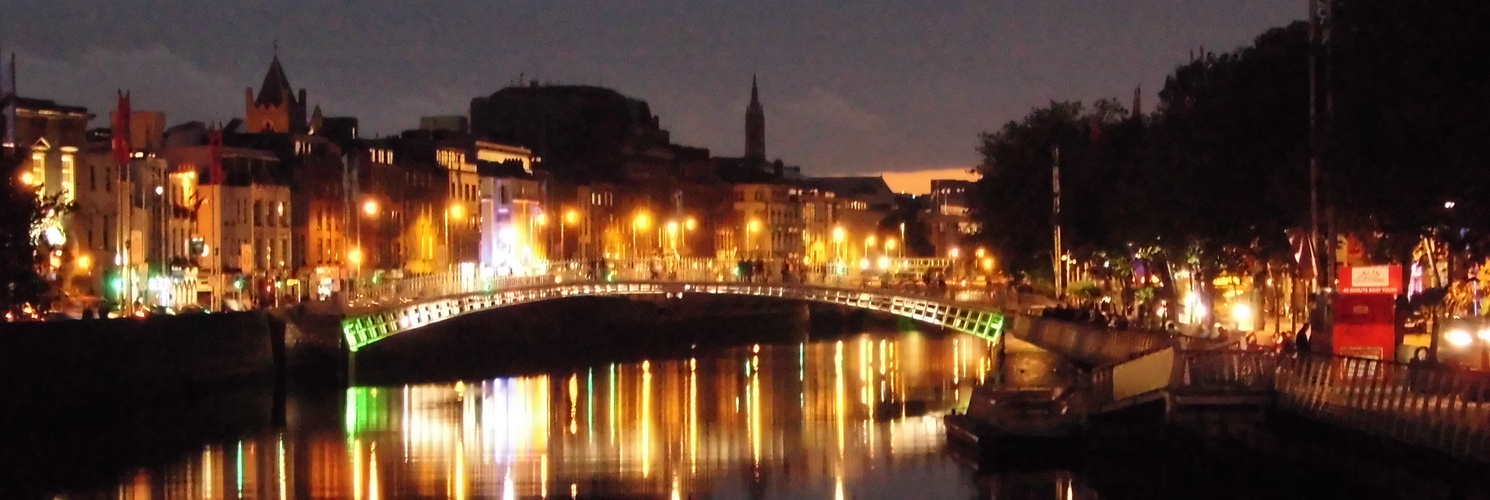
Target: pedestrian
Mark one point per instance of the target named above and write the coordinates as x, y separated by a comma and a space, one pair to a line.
1301, 341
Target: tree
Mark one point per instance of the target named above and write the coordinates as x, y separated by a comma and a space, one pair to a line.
20, 212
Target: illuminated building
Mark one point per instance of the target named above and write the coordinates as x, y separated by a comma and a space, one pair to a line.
946, 218
768, 218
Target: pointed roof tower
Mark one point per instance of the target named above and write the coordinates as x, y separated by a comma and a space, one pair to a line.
276, 86
755, 126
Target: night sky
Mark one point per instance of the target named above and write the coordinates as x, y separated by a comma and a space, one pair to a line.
849, 87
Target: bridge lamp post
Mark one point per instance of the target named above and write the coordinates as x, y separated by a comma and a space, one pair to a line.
751, 228
953, 254
640, 223
838, 236
689, 225
456, 211
541, 221
672, 235
868, 243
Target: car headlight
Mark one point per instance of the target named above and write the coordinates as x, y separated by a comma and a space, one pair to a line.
1459, 338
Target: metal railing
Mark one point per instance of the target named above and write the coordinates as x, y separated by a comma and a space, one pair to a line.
1438, 408
1213, 374
1224, 371
366, 294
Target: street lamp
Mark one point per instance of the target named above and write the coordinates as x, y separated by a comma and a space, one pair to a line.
370, 207
890, 245
455, 211
838, 236
672, 235
868, 242
638, 224
689, 224
754, 226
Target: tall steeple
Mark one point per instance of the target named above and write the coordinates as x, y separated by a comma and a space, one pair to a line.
277, 108
755, 126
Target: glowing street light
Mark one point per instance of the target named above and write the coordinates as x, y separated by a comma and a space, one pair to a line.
456, 210
84, 262
672, 227
890, 244
541, 219
571, 217
839, 234
355, 257
28, 178
954, 253
370, 207
690, 224
980, 252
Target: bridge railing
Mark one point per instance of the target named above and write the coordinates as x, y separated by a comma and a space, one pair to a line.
659, 270
1438, 408
1181, 371
1225, 371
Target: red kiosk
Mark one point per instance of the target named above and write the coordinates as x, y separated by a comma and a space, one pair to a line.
1365, 312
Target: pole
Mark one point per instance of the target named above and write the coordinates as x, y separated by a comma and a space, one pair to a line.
1319, 16
1055, 218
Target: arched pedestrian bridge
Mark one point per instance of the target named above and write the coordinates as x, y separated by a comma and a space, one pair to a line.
1438, 409
361, 330
393, 307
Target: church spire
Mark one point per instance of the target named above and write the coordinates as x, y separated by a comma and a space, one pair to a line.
755, 126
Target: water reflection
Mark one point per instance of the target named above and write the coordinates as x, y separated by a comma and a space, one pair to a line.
820, 419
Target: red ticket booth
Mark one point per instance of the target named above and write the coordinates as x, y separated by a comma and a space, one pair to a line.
1365, 311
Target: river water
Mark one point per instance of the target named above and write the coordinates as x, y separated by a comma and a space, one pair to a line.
827, 418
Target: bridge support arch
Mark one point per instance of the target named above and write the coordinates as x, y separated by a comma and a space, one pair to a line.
361, 330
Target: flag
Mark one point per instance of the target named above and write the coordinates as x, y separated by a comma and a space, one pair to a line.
121, 130
1302, 246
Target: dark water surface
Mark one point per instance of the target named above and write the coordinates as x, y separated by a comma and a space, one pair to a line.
827, 418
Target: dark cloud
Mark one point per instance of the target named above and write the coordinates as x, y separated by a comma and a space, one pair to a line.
859, 86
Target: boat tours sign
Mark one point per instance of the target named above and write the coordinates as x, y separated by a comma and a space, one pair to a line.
1365, 311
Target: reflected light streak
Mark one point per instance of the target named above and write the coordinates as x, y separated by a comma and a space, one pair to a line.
284, 490
239, 467
692, 416
460, 470
373, 488
357, 469
755, 418
509, 491
590, 405
646, 419
677, 495
573, 410
615, 404
839, 399
543, 476
207, 472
